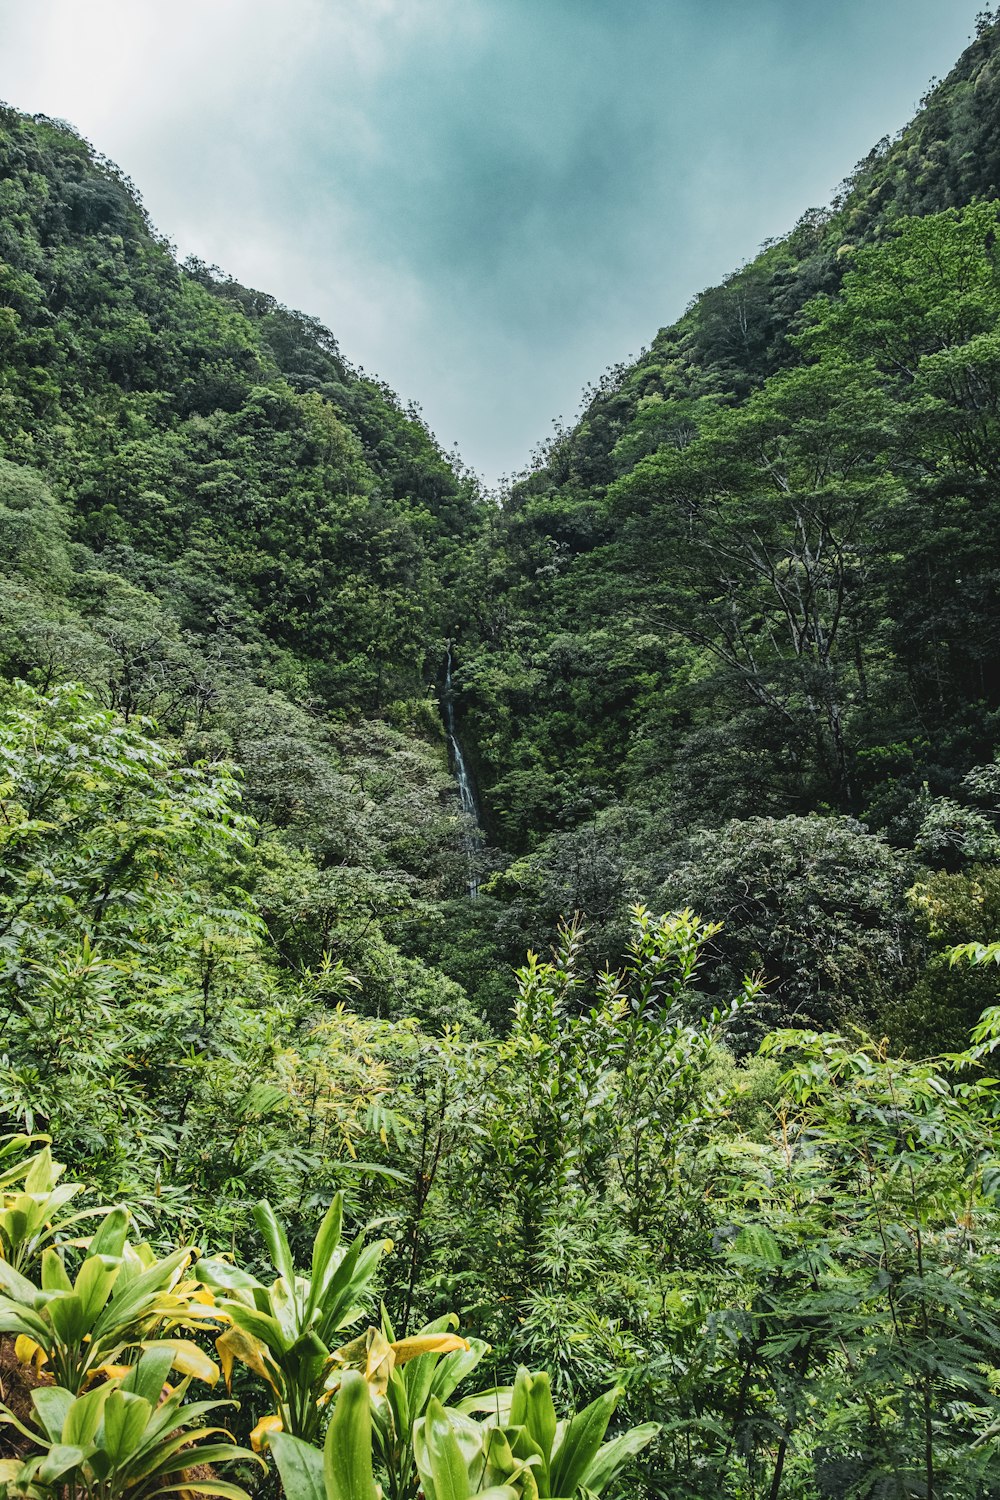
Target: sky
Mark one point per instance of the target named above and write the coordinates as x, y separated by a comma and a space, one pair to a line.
487, 201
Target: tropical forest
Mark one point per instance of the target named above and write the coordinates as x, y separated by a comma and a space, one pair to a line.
501, 991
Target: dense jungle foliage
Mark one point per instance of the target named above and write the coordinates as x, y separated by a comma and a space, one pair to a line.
707, 1200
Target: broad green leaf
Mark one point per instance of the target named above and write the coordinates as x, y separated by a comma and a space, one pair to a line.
17, 1286
125, 1419
398, 1399
218, 1487
495, 1402
94, 1284
525, 1450
440, 1463
497, 1463
54, 1275
260, 1326
109, 1236
519, 1397
324, 1247
141, 1294
275, 1240
300, 1467
148, 1375
84, 1415
59, 1460
441, 1377
187, 1358
287, 1306
21, 1320
52, 1404
347, 1452
579, 1444
224, 1275
616, 1453
540, 1417
66, 1311
42, 1174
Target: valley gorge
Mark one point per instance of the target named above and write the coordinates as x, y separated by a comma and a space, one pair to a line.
582, 898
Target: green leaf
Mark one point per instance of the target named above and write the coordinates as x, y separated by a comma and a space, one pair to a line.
275, 1240
616, 1454
134, 1298
109, 1236
451, 1369
580, 1441
442, 1468
41, 1175
397, 1396
93, 1285
262, 1327
84, 1416
148, 1375
17, 1286
225, 1276
66, 1311
347, 1452
300, 1467
519, 1397
523, 1448
54, 1274
220, 1487
540, 1417
325, 1244
125, 1419
52, 1404
59, 1460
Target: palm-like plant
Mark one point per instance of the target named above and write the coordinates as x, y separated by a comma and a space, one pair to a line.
521, 1451
121, 1298
568, 1455
37, 1212
343, 1471
403, 1376
457, 1468
458, 1459
121, 1439
285, 1333
522, 1446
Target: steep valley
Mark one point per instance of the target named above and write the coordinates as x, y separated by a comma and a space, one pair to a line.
306, 740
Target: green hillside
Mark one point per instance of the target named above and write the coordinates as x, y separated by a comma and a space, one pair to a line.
757, 579
210, 519
563, 726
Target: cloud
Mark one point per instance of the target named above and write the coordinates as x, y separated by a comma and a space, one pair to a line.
488, 201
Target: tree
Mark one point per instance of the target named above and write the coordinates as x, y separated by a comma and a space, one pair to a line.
816, 905
760, 540
119, 915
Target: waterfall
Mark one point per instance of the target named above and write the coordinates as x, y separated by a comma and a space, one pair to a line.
471, 835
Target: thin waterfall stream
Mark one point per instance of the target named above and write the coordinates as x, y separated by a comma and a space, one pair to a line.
472, 833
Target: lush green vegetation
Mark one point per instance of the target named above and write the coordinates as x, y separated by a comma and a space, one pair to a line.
722, 1182
783, 1269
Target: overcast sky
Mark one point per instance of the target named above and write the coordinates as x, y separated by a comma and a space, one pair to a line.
487, 201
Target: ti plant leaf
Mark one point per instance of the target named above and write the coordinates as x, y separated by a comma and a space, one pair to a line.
343, 1471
